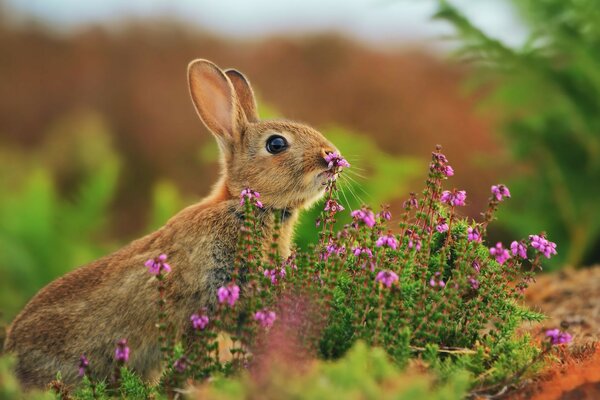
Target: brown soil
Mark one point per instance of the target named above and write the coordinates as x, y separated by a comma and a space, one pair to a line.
571, 299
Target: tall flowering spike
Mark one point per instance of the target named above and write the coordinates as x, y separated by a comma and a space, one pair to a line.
439, 164
414, 240
336, 161
387, 278
500, 192
266, 318
388, 240
500, 253
333, 206
199, 322
83, 365
454, 198
543, 245
365, 216
517, 248
557, 337
251, 196
473, 235
228, 294
158, 265
385, 214
122, 351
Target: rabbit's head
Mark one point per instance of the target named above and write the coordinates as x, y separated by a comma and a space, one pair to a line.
284, 161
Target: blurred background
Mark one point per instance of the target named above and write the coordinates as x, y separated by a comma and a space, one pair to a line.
100, 144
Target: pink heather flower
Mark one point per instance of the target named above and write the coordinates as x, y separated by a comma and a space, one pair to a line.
436, 280
385, 214
335, 160
180, 364
122, 351
518, 248
476, 266
557, 337
411, 202
473, 282
388, 240
442, 226
250, 195
199, 322
543, 245
414, 240
229, 294
368, 258
448, 170
365, 215
473, 235
500, 192
274, 274
387, 278
266, 318
454, 198
333, 206
157, 266
500, 253
83, 365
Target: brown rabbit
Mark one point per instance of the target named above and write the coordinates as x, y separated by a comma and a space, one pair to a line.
91, 308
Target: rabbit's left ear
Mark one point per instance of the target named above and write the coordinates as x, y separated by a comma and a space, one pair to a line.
245, 94
216, 101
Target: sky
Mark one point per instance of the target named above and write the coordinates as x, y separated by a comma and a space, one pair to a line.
373, 21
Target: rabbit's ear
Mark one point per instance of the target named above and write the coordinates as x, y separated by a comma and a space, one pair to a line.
244, 93
215, 100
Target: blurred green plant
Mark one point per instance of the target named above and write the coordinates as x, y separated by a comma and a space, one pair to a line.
548, 95
44, 234
363, 373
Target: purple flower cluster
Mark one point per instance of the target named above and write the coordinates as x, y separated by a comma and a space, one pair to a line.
436, 280
473, 235
83, 365
158, 265
454, 198
411, 203
388, 240
440, 164
543, 245
385, 214
266, 318
367, 257
557, 337
518, 248
274, 274
180, 365
333, 206
122, 351
442, 225
473, 282
228, 294
500, 192
364, 215
336, 161
387, 278
414, 240
251, 196
500, 253
199, 322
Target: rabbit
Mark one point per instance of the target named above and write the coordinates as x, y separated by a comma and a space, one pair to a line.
91, 308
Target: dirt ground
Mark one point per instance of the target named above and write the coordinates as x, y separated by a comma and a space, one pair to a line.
571, 299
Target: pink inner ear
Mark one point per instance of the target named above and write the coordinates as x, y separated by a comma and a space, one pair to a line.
212, 95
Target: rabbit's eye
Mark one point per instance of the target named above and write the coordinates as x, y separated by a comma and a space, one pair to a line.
276, 144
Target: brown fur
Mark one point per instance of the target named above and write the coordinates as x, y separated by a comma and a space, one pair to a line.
91, 308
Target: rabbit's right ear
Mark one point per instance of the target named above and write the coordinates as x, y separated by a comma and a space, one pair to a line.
216, 101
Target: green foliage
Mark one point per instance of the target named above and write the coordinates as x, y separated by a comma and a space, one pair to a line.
363, 373
43, 233
548, 93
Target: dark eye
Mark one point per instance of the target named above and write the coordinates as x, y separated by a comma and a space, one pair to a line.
276, 144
